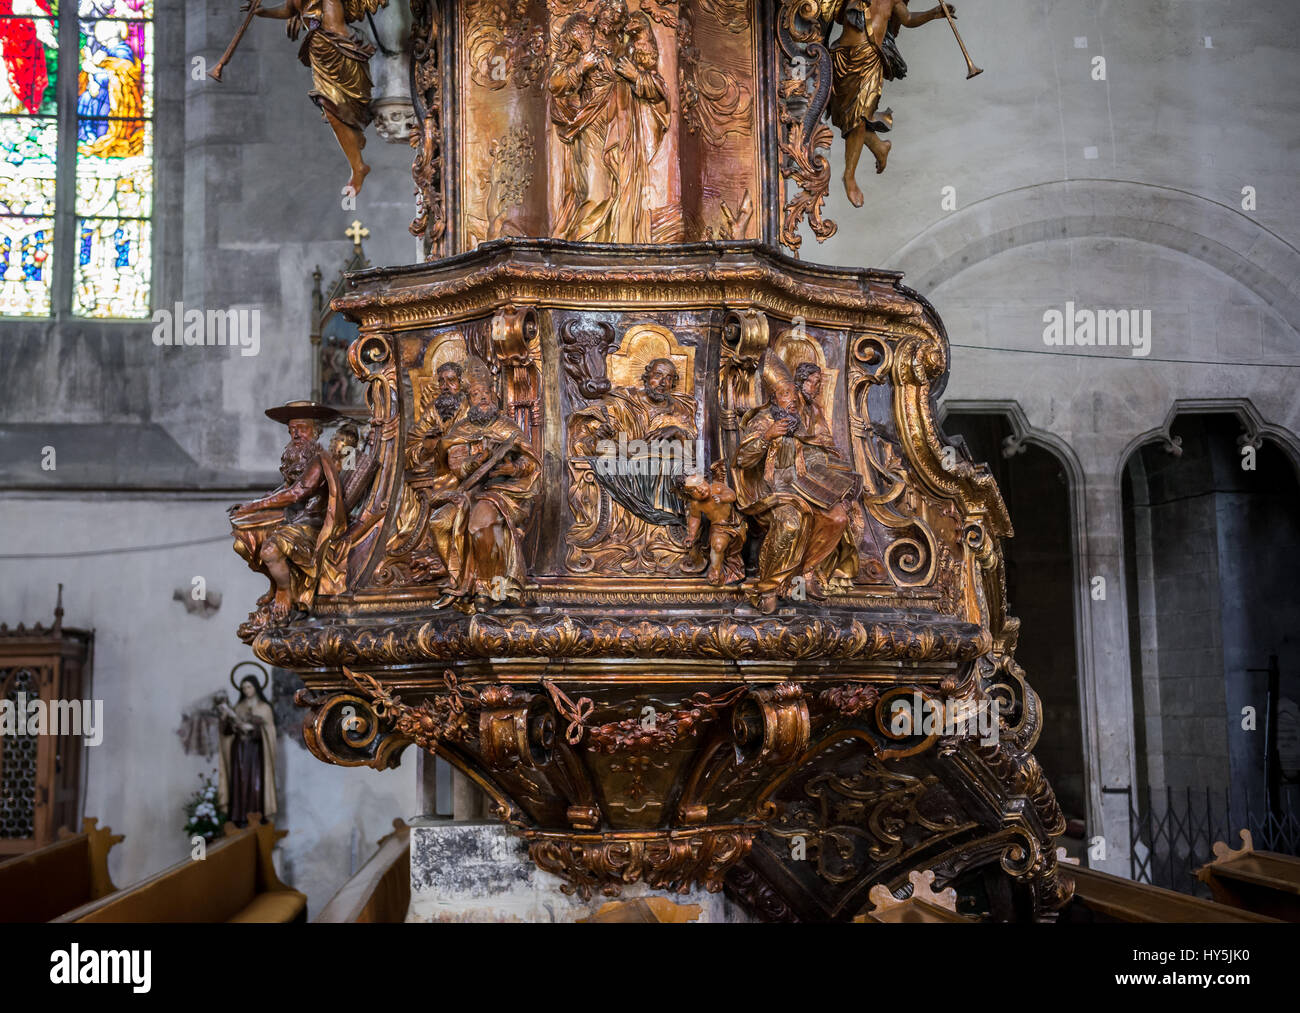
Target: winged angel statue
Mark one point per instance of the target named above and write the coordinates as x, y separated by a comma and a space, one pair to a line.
862, 59
339, 59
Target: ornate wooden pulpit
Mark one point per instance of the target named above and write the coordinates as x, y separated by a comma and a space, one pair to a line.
653, 534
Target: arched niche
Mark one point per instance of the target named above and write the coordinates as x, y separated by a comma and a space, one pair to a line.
1039, 481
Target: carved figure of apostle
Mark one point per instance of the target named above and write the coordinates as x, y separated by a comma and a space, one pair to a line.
246, 781
488, 478
609, 104
865, 55
440, 414
284, 535
663, 420
356, 464
792, 479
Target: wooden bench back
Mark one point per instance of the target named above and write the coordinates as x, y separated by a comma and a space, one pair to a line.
45, 883
213, 889
381, 889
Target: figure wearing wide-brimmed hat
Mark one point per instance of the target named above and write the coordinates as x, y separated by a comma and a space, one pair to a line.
284, 535
792, 479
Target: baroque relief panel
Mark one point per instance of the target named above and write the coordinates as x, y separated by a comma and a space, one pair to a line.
603, 120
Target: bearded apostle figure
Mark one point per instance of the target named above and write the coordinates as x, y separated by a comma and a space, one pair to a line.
487, 480
657, 420
793, 480
285, 535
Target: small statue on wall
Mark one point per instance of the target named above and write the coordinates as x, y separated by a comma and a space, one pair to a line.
864, 57
284, 535
713, 502
248, 750
339, 59
793, 480
487, 478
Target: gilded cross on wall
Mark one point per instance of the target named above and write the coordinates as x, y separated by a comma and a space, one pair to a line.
357, 232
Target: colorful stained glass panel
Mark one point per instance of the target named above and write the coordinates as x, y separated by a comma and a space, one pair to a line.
29, 49
113, 91
114, 160
115, 70
26, 249
113, 269
132, 10
28, 165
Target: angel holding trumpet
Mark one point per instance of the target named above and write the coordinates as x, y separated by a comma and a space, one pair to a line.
862, 59
339, 59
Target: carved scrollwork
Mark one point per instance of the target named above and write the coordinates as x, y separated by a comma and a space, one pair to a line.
443, 716
869, 809
343, 729
517, 351
746, 335
1021, 772
804, 91
426, 94
771, 726
515, 728
676, 862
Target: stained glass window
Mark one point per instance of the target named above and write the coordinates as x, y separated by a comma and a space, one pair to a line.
29, 143
104, 231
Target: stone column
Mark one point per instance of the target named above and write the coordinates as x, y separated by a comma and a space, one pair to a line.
466, 798
1108, 684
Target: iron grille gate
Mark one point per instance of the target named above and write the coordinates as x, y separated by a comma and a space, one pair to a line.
1174, 833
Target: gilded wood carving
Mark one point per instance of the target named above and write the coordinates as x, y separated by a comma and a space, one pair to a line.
649, 528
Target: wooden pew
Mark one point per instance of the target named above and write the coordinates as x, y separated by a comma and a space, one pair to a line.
381, 890
236, 882
1259, 881
45, 883
1101, 897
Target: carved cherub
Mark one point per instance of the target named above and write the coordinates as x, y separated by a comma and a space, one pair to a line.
339, 59
714, 502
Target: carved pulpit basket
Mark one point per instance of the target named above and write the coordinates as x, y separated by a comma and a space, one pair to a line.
659, 542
